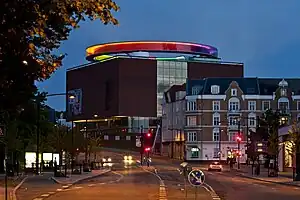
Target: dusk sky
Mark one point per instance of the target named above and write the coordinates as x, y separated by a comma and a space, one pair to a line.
264, 35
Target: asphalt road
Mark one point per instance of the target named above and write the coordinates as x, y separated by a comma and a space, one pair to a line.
35, 185
232, 187
122, 183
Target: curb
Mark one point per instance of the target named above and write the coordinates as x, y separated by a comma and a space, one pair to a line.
69, 184
267, 181
14, 195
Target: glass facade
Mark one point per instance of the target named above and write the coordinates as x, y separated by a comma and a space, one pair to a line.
169, 73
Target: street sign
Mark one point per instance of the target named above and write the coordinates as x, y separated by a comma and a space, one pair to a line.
196, 177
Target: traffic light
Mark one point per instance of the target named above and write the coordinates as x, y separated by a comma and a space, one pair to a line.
149, 134
238, 138
147, 149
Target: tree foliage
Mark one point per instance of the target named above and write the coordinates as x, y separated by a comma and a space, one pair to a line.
294, 137
271, 122
30, 33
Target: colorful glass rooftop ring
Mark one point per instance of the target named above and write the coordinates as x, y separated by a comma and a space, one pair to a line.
151, 46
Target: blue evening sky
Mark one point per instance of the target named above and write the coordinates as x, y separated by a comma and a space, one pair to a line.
264, 35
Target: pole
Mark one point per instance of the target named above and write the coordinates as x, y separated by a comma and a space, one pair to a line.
86, 137
239, 145
220, 139
72, 150
37, 134
5, 161
196, 191
142, 144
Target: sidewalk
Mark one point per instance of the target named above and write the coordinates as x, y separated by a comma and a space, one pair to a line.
73, 179
284, 178
13, 182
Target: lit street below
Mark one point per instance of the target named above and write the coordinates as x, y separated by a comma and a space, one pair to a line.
231, 187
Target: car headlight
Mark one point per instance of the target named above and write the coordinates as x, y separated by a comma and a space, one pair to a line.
125, 157
129, 157
109, 159
104, 160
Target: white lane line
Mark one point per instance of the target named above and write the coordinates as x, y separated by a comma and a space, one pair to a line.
45, 195
51, 192
65, 186
78, 187
38, 199
91, 185
59, 189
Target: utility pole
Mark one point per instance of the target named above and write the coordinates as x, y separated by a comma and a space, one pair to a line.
239, 141
220, 144
72, 150
86, 141
38, 102
142, 144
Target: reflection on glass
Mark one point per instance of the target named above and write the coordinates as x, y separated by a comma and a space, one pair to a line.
169, 73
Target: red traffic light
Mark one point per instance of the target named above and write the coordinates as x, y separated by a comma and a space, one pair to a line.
238, 139
124, 130
147, 149
148, 134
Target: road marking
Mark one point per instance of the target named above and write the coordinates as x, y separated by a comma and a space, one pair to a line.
65, 186
45, 195
78, 187
51, 192
38, 199
91, 185
59, 189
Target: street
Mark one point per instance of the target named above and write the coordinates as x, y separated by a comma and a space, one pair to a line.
231, 187
159, 181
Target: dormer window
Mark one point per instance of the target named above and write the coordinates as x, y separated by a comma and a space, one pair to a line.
215, 89
196, 90
234, 92
283, 92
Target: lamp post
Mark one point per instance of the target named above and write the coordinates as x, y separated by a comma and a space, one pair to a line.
38, 102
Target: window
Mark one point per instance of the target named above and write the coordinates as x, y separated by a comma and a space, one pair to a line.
196, 90
106, 137
251, 120
191, 120
128, 137
216, 105
283, 104
266, 105
234, 92
234, 104
195, 152
191, 106
252, 105
232, 136
215, 89
216, 134
298, 105
216, 119
283, 120
117, 137
216, 152
283, 92
192, 136
232, 121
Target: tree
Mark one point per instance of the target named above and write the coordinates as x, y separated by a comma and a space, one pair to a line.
272, 124
93, 146
31, 33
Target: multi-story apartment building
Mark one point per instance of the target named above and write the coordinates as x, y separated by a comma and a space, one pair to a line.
217, 107
173, 122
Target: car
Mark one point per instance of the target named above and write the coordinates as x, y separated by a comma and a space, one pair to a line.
215, 166
107, 162
128, 159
